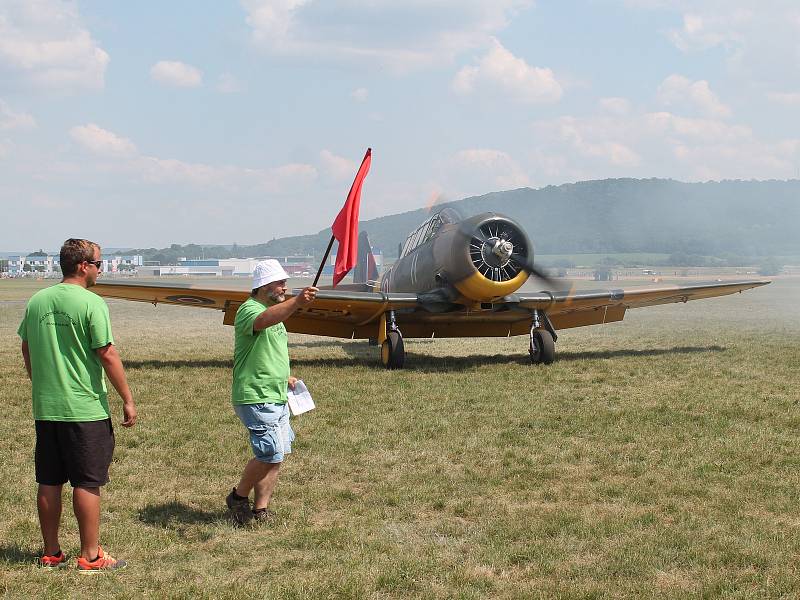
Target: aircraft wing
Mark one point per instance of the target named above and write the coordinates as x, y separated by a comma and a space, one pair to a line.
337, 313
590, 307
347, 313
172, 293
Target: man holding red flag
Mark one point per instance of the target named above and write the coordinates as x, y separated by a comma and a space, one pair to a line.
345, 227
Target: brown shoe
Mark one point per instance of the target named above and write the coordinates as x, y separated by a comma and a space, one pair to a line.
240, 508
264, 515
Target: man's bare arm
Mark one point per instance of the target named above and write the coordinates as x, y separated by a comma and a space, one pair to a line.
278, 313
112, 364
26, 356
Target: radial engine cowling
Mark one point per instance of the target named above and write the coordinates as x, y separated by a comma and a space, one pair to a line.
483, 258
490, 257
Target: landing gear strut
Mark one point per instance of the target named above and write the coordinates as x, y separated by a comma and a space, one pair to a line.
542, 345
393, 354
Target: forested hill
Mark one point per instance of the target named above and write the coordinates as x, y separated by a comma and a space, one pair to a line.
750, 218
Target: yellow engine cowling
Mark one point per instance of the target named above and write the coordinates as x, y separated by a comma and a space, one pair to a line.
485, 275
481, 289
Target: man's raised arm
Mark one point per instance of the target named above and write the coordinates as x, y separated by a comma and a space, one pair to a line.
278, 313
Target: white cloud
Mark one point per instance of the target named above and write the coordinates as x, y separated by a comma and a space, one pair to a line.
272, 18
589, 145
169, 170
228, 84
678, 91
125, 159
786, 98
5, 148
177, 74
9, 119
360, 94
615, 105
705, 29
487, 169
44, 43
47, 201
500, 69
287, 178
761, 41
101, 141
399, 35
702, 131
162, 171
658, 144
337, 167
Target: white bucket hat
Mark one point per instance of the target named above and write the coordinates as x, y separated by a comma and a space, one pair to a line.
268, 271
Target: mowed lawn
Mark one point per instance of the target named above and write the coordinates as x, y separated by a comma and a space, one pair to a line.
657, 457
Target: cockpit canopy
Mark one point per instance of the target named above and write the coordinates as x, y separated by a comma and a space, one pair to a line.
428, 229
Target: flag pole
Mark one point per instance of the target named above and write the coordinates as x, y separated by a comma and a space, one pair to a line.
345, 227
322, 264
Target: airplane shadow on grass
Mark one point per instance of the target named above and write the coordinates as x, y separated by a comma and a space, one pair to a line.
362, 355
649, 352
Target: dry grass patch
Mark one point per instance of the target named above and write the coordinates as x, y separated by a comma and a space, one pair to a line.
657, 457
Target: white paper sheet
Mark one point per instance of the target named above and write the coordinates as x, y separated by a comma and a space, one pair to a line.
300, 400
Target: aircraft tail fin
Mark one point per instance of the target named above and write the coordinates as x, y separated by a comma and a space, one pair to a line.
366, 270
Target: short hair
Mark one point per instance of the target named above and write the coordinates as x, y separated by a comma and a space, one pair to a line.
74, 252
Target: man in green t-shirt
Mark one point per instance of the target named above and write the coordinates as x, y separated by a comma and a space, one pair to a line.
66, 346
260, 379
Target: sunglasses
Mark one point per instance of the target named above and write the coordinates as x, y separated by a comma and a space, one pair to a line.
96, 263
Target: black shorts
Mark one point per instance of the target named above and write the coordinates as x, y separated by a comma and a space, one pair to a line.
76, 452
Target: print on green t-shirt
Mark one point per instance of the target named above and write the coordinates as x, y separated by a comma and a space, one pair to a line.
64, 325
260, 359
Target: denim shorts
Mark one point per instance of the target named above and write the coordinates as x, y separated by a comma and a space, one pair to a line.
271, 434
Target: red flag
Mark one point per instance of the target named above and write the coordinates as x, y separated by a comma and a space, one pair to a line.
345, 227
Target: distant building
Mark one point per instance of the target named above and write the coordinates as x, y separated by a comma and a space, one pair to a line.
15, 265
219, 266
295, 266
48, 265
194, 270
113, 263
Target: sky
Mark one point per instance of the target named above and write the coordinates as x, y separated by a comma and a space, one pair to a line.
140, 124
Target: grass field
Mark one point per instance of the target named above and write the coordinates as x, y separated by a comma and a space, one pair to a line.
657, 457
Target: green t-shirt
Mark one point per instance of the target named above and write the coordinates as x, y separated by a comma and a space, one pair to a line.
64, 325
260, 359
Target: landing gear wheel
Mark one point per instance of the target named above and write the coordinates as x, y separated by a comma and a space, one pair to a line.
542, 348
393, 355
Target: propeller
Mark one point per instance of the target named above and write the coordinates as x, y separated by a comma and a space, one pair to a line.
499, 251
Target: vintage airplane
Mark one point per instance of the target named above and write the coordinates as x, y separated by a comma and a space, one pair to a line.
454, 278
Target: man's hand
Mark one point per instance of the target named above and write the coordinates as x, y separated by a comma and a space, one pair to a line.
292, 381
307, 295
129, 412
